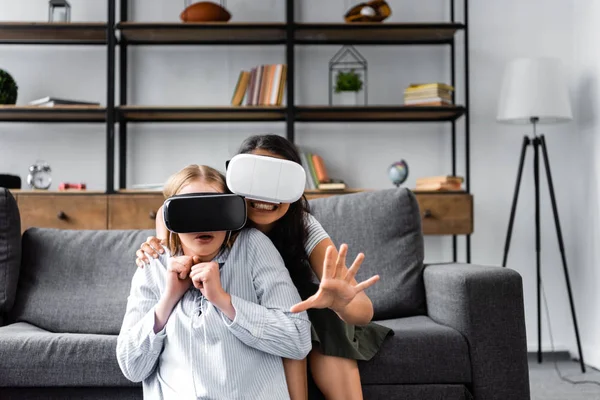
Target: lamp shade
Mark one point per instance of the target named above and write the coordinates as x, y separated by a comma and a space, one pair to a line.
534, 87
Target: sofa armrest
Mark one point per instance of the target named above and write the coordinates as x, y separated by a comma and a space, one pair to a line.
10, 251
485, 304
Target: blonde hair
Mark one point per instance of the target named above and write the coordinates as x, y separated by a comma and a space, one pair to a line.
184, 177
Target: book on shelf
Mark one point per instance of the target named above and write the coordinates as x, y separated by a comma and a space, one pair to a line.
53, 101
432, 86
310, 183
434, 101
440, 183
334, 184
263, 85
317, 177
428, 94
240, 88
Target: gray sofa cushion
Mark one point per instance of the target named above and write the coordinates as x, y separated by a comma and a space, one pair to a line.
76, 280
10, 250
385, 225
420, 352
34, 357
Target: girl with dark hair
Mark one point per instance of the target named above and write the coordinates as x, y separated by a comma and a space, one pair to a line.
339, 310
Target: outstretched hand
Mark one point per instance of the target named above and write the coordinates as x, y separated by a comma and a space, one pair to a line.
338, 287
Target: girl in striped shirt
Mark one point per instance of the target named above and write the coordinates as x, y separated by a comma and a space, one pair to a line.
210, 318
338, 308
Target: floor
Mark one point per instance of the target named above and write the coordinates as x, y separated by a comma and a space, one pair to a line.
546, 384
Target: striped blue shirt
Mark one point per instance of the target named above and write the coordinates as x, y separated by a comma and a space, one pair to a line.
201, 353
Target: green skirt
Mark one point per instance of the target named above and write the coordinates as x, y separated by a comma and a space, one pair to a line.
334, 337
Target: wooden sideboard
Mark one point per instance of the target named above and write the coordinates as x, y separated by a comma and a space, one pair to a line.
441, 213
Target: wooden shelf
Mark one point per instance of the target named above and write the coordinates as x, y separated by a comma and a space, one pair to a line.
231, 114
202, 114
377, 113
81, 33
275, 33
52, 114
376, 33
203, 33
341, 191
440, 192
55, 192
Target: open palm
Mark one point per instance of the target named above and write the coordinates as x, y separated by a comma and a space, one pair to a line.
338, 287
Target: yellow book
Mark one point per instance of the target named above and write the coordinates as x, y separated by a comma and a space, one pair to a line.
240, 88
420, 86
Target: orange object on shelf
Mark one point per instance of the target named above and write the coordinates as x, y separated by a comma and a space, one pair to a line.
72, 186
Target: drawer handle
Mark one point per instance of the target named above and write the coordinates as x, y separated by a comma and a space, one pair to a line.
427, 214
61, 215
152, 214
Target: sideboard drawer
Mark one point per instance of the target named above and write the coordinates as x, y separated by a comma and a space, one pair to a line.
446, 213
63, 211
136, 211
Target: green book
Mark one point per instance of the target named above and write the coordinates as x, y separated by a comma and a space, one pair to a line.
313, 172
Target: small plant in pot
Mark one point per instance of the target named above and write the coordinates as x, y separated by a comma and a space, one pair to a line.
347, 86
8, 88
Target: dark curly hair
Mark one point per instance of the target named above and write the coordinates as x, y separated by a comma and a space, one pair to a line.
290, 232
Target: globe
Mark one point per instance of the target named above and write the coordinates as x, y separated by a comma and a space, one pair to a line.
398, 172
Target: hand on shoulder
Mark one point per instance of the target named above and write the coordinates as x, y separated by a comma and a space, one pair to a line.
153, 247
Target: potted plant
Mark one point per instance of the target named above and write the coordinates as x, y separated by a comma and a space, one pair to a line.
347, 86
8, 88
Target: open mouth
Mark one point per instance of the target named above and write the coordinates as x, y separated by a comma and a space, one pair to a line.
204, 237
258, 205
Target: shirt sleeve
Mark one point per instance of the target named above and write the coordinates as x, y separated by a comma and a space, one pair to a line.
269, 326
315, 235
138, 347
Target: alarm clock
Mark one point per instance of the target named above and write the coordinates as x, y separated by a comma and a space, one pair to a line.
39, 176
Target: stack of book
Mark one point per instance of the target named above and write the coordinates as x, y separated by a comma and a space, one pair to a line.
53, 101
317, 177
440, 183
263, 85
428, 94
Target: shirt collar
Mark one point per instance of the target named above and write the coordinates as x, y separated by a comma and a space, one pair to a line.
222, 257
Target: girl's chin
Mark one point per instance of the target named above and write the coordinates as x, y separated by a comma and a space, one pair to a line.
204, 252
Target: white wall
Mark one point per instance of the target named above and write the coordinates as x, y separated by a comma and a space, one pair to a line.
500, 32
584, 168
358, 153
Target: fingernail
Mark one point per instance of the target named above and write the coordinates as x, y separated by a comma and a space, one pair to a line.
155, 256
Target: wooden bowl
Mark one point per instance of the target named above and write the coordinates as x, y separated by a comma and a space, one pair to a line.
205, 11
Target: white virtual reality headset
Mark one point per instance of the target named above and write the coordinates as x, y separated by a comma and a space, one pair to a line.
264, 178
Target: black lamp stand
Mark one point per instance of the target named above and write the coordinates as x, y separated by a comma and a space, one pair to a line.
537, 142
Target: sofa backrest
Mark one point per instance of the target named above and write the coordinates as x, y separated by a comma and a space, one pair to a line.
10, 250
385, 225
76, 280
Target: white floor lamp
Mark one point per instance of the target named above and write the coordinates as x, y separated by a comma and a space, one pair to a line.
534, 91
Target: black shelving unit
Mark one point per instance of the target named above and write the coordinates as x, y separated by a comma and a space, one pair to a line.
289, 34
292, 34
72, 34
